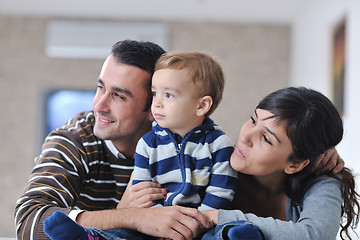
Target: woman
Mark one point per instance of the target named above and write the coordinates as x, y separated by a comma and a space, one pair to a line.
275, 155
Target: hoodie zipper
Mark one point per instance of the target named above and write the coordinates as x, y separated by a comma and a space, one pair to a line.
178, 149
170, 199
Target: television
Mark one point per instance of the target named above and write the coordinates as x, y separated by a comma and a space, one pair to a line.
63, 104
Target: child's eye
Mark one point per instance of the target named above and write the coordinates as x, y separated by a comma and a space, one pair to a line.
169, 95
154, 94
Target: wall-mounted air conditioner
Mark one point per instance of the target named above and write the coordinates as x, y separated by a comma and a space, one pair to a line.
93, 40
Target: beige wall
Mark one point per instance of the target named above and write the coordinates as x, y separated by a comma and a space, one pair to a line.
255, 59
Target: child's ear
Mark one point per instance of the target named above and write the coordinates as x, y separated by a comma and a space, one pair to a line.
296, 166
204, 106
151, 117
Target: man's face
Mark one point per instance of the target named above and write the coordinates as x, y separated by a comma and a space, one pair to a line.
119, 103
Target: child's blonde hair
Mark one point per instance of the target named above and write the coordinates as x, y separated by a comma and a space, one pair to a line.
206, 73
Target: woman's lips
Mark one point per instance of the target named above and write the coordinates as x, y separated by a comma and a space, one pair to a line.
240, 152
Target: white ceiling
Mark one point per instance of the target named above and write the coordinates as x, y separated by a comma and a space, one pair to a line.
271, 11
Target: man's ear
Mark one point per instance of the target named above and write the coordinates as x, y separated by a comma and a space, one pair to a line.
204, 106
296, 166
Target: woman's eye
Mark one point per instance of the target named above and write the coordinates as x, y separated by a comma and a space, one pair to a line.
267, 140
253, 120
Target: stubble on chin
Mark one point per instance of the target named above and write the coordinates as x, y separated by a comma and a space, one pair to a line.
101, 133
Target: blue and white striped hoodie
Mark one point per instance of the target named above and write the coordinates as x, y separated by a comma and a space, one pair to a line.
196, 169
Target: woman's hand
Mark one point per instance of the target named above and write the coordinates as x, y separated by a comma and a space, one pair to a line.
143, 194
212, 215
329, 160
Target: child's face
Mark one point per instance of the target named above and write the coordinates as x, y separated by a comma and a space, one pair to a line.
175, 101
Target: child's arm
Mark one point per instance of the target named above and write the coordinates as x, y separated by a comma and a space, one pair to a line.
141, 174
143, 194
223, 179
141, 171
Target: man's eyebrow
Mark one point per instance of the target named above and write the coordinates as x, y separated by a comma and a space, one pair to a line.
121, 90
117, 89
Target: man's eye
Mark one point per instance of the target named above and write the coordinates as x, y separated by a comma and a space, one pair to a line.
118, 96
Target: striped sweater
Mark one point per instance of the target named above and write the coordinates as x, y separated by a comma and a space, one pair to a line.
75, 170
195, 169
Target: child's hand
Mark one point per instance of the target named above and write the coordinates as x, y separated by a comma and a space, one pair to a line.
143, 194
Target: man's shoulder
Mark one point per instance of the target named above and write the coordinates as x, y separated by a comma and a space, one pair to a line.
78, 135
79, 127
82, 122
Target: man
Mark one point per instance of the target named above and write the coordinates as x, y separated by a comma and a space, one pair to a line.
84, 167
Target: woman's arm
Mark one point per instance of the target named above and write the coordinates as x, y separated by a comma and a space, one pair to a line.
317, 218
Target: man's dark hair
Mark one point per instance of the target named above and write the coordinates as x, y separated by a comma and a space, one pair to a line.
140, 54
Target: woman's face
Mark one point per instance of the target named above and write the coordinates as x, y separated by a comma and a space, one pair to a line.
263, 147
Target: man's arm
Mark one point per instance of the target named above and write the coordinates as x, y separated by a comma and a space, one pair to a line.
172, 222
133, 213
54, 184
330, 160
61, 175
166, 222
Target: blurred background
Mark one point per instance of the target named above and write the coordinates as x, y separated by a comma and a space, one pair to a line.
50, 46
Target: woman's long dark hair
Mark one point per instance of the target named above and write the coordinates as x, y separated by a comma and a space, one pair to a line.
313, 125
